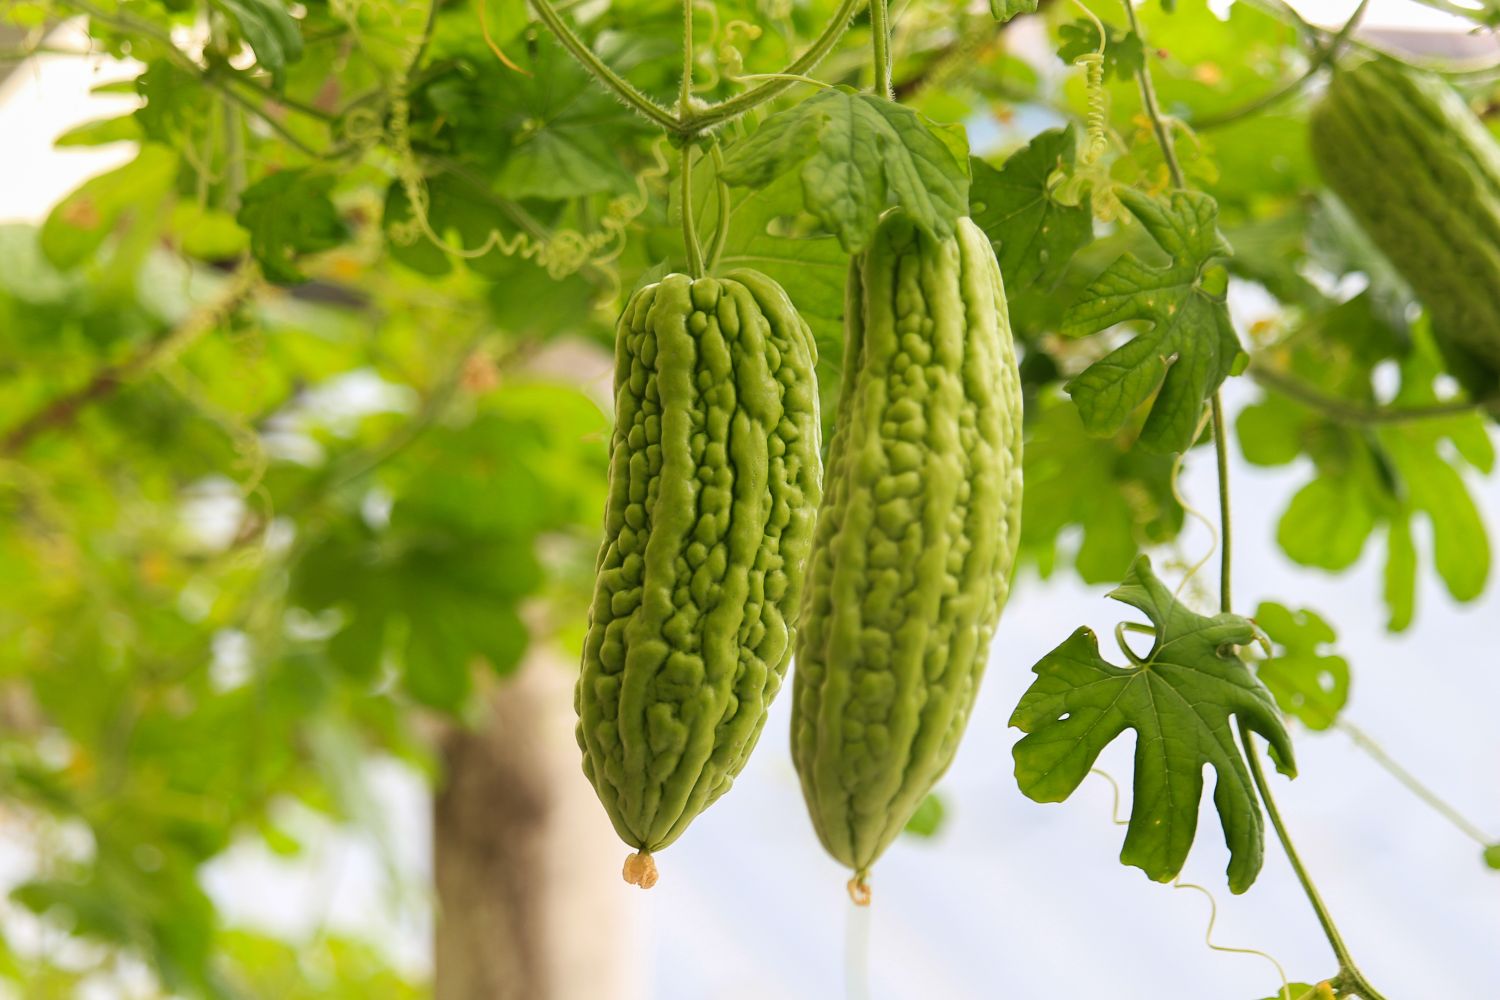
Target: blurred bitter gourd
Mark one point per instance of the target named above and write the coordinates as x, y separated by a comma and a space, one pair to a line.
714, 482
1421, 175
916, 536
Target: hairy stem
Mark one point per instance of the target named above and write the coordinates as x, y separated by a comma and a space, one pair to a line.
694, 123
684, 104
622, 88
685, 95
880, 31
733, 107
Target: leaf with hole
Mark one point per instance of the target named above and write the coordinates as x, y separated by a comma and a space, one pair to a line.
1035, 236
1308, 682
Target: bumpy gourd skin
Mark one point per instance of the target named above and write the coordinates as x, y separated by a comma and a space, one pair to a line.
714, 479
1421, 175
916, 536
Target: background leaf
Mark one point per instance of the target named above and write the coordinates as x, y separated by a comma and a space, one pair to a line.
857, 152
1191, 346
1309, 682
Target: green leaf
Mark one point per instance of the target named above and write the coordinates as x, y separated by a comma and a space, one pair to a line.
1035, 236
1492, 856
929, 817
269, 28
1004, 10
1381, 476
102, 132
1179, 699
567, 133
289, 213
438, 590
1123, 54
176, 107
207, 233
1303, 991
768, 234
1118, 497
1326, 524
82, 221
1308, 682
858, 152
1191, 346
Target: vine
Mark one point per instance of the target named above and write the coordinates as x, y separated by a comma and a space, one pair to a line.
1349, 979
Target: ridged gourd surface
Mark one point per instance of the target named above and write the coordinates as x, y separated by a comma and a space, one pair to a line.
714, 479
1421, 175
916, 536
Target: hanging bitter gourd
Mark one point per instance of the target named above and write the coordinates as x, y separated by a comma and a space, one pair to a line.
1421, 175
714, 482
916, 536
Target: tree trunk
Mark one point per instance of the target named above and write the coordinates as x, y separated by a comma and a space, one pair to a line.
530, 902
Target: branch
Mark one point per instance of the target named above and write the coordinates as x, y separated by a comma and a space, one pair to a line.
1325, 55
1350, 412
622, 88
724, 111
64, 410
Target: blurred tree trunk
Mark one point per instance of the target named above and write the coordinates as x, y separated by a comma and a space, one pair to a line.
530, 902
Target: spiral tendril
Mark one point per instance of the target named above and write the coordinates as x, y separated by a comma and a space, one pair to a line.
562, 253
1285, 993
1096, 142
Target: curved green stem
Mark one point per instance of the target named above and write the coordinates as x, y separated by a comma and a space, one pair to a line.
735, 106
1325, 55
691, 124
880, 32
721, 231
1221, 453
1153, 110
622, 88
684, 102
1349, 978
685, 95
1350, 412
690, 231
794, 78
1412, 783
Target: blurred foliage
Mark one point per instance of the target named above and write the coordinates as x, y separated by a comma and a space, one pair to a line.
301, 434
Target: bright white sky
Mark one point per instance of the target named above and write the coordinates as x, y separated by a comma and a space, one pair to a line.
1014, 899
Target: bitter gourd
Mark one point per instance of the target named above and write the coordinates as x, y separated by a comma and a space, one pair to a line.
915, 538
714, 481
1421, 175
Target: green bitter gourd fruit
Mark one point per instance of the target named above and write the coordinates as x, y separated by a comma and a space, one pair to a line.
915, 538
1421, 175
714, 482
